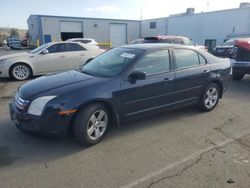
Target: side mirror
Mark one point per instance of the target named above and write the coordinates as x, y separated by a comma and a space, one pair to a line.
45, 52
137, 75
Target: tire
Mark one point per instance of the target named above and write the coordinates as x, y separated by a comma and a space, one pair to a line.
20, 72
210, 97
91, 124
238, 76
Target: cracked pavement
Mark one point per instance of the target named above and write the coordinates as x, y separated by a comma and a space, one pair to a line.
183, 148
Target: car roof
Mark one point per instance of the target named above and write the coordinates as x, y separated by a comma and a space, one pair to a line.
159, 37
79, 39
152, 46
86, 46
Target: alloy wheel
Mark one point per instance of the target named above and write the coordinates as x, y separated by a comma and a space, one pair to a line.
211, 98
21, 72
97, 124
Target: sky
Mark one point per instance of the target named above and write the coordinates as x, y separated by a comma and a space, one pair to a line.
14, 13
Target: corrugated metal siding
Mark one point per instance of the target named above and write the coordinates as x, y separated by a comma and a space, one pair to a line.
161, 27
213, 25
51, 26
99, 29
33, 29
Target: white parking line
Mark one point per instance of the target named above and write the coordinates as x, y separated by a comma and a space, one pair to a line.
166, 168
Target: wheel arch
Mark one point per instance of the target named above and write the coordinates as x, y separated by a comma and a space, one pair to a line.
23, 63
220, 85
113, 115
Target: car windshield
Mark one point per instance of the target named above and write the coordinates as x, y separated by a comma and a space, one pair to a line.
36, 50
229, 42
112, 62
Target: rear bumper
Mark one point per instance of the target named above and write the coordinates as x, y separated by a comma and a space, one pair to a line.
241, 67
48, 124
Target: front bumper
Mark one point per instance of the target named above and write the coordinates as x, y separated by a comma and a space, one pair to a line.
4, 71
49, 123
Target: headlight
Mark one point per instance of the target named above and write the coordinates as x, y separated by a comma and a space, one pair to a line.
2, 61
36, 107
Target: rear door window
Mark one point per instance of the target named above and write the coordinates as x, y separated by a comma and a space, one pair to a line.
185, 58
75, 47
57, 48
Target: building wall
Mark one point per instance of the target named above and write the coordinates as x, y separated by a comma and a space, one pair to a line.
216, 25
92, 28
161, 27
33, 29
99, 29
51, 26
213, 25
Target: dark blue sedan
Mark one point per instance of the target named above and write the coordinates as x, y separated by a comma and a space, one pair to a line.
121, 84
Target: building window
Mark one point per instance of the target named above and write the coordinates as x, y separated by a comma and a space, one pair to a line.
152, 25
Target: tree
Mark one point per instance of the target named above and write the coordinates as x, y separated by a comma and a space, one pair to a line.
14, 33
3, 36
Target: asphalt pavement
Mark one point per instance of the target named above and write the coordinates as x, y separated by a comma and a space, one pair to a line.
184, 148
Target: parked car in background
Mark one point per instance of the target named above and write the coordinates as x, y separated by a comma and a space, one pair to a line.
14, 43
169, 40
5, 42
49, 58
136, 41
225, 50
121, 84
241, 58
83, 40
24, 42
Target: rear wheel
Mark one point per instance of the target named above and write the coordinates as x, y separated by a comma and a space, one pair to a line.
91, 124
238, 76
210, 97
20, 71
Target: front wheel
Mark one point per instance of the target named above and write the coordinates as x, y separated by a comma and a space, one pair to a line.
209, 98
20, 72
91, 124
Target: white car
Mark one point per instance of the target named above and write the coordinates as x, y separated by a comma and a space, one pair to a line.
83, 40
48, 58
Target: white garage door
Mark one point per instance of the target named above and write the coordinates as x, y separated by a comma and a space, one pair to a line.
71, 27
118, 34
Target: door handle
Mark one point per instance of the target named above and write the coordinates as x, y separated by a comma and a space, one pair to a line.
168, 79
206, 71
62, 56
82, 54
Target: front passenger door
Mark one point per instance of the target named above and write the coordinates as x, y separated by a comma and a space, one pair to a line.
155, 92
54, 61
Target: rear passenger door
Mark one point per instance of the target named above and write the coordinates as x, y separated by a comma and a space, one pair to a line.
191, 70
77, 55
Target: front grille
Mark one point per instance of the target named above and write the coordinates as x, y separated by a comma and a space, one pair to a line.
20, 103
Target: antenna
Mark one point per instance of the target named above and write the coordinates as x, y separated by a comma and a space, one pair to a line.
141, 13
207, 5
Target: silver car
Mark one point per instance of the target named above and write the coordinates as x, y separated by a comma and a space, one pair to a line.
48, 58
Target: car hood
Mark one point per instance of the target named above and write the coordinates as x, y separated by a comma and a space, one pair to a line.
50, 84
16, 55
